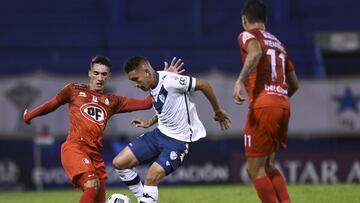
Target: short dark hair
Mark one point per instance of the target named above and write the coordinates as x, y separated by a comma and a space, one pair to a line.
100, 60
255, 11
133, 63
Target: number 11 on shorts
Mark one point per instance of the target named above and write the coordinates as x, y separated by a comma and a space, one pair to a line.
247, 140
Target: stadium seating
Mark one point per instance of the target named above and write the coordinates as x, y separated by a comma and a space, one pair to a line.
60, 37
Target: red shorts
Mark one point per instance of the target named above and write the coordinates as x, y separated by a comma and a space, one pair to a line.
77, 159
266, 130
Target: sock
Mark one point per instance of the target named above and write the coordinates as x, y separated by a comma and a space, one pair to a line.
88, 195
279, 185
132, 179
265, 190
101, 196
150, 194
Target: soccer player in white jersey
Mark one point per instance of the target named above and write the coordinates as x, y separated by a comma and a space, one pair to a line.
178, 126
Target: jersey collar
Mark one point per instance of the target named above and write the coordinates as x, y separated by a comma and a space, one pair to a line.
157, 80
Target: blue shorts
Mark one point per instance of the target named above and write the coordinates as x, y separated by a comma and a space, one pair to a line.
155, 146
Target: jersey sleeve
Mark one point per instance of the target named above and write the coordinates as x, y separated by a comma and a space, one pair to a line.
126, 104
64, 96
180, 83
244, 38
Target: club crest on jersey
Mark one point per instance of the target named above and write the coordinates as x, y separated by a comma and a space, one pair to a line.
182, 81
86, 161
95, 99
94, 113
107, 101
173, 155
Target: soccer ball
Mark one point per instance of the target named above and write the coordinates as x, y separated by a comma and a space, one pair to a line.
118, 198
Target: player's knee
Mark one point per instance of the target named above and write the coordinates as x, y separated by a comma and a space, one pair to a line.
253, 172
115, 163
94, 184
119, 163
269, 167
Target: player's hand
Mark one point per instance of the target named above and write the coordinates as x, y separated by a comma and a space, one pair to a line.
239, 93
222, 117
25, 119
140, 123
175, 66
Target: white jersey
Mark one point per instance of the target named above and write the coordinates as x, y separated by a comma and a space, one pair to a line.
177, 116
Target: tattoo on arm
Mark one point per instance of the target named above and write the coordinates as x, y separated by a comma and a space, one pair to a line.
153, 120
249, 65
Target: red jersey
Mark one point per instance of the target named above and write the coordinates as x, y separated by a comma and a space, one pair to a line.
89, 111
266, 84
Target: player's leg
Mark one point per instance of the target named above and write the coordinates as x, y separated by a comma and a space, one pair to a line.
101, 196
261, 182
258, 145
124, 164
277, 180
80, 169
170, 158
138, 151
90, 185
153, 177
100, 169
273, 173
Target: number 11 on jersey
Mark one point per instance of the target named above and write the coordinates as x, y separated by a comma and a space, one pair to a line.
272, 54
247, 140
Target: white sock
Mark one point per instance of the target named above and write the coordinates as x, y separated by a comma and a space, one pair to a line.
150, 194
132, 179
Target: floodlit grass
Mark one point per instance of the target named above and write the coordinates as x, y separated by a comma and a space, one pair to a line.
203, 194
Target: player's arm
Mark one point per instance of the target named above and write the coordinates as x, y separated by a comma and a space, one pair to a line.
291, 78
252, 59
41, 110
132, 104
61, 98
292, 82
220, 115
143, 123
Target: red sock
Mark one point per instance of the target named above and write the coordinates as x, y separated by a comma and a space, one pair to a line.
265, 190
88, 195
101, 197
279, 185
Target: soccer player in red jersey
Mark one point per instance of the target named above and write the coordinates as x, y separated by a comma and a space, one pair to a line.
90, 109
269, 79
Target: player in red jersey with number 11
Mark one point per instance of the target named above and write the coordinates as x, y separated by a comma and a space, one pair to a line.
269, 79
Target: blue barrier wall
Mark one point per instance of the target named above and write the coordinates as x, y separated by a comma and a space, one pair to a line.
211, 161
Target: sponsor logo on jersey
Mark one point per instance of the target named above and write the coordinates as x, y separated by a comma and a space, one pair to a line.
175, 77
82, 94
276, 89
94, 113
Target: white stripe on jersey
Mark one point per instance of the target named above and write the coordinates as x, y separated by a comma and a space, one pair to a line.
177, 116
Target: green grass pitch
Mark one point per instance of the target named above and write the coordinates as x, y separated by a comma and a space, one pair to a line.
203, 194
